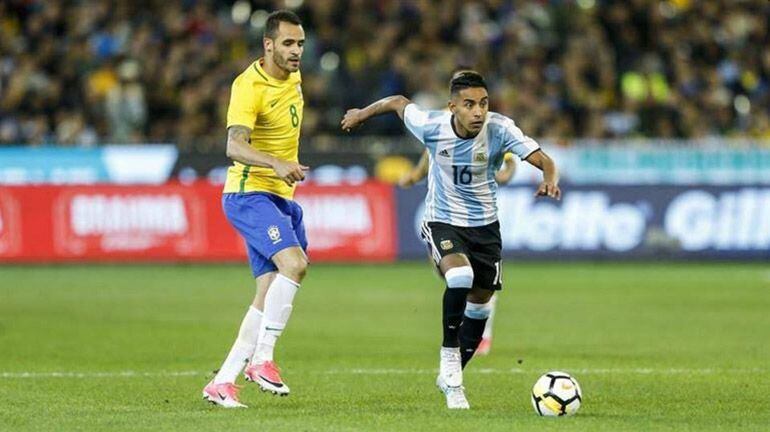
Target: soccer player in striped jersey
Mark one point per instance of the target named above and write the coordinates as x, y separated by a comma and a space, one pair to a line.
467, 145
502, 177
263, 126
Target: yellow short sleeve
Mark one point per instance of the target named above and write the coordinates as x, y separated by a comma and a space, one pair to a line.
245, 103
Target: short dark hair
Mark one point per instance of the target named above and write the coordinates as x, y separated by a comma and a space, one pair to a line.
461, 68
276, 18
466, 79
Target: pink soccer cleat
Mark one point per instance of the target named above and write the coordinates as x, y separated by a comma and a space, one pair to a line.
225, 395
484, 347
268, 377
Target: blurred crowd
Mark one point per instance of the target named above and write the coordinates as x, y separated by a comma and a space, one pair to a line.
84, 72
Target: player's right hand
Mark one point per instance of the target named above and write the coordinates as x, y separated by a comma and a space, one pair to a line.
290, 172
351, 119
548, 189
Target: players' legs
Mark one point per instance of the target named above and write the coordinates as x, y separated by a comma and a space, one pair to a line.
242, 349
477, 311
263, 283
485, 257
246, 342
486, 338
446, 245
222, 389
458, 275
278, 299
459, 279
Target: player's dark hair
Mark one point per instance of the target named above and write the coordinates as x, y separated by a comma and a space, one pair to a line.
466, 79
276, 18
460, 69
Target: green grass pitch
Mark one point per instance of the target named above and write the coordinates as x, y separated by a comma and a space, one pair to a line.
677, 347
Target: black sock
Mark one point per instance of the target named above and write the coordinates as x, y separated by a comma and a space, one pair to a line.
471, 332
454, 307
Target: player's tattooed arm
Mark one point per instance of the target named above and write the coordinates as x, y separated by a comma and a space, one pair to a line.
238, 149
355, 117
550, 184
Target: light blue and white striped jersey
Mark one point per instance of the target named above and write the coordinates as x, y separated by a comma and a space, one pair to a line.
461, 180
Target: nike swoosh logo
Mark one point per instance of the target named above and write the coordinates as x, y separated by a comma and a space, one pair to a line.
273, 329
221, 396
273, 383
272, 104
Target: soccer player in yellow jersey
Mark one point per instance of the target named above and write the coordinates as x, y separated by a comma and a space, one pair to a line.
263, 126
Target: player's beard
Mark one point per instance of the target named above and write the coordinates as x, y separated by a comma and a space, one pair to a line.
283, 62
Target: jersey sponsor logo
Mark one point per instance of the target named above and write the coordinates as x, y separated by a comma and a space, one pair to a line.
480, 157
444, 153
446, 244
274, 233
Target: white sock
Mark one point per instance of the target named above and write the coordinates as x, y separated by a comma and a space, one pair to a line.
242, 349
488, 327
278, 305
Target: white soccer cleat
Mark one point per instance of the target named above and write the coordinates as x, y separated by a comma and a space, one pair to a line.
455, 396
450, 378
450, 368
224, 395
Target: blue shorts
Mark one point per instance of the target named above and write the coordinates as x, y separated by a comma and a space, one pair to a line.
268, 223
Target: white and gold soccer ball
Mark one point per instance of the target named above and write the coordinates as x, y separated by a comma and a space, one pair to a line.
556, 394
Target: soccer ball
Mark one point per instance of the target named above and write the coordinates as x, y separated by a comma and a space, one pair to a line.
556, 394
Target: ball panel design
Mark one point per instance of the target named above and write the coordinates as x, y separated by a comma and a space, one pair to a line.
556, 393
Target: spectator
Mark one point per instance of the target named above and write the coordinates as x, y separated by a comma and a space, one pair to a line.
78, 72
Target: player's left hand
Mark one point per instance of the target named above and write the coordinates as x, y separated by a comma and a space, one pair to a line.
549, 189
351, 119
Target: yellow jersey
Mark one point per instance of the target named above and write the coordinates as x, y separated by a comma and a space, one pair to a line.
272, 109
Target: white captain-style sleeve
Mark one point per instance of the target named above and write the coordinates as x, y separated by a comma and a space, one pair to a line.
516, 142
415, 119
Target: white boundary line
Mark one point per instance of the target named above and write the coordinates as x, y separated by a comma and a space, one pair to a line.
116, 374
581, 371
393, 371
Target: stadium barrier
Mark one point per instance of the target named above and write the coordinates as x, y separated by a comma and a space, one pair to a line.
175, 222
379, 223
615, 221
